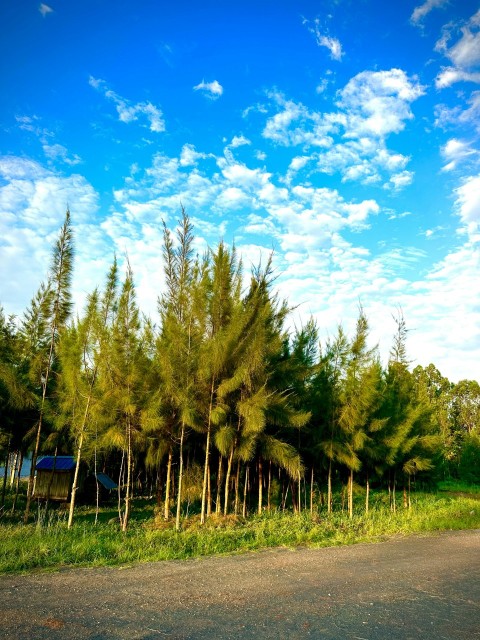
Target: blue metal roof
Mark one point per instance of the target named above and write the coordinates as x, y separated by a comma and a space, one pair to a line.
107, 482
60, 463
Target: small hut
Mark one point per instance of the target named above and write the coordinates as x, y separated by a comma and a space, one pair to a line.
98, 486
54, 478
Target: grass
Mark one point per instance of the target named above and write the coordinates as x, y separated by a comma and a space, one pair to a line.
53, 546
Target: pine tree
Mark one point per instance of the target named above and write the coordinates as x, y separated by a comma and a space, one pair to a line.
179, 341
58, 294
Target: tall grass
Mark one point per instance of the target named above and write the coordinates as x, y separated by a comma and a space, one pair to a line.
50, 545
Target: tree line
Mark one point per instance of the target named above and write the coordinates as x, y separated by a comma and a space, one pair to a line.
217, 408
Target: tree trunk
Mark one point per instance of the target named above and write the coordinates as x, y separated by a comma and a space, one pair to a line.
245, 493
207, 456
180, 479
75, 476
269, 488
13, 466
5, 473
166, 512
367, 496
394, 503
209, 492
129, 490
350, 495
17, 481
227, 482
260, 485
329, 488
405, 500
311, 491
218, 503
299, 493
237, 489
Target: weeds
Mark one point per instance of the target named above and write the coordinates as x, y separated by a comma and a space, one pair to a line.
49, 545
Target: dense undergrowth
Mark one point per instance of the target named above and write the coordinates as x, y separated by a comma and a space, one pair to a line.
49, 545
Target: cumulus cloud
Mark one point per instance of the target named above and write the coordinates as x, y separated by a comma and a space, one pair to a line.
33, 201
351, 140
212, 90
378, 102
420, 12
128, 111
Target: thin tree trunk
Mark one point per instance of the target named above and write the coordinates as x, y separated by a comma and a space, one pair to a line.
394, 502
367, 496
180, 479
409, 492
218, 503
311, 491
13, 466
17, 481
207, 454
329, 488
77, 465
350, 495
245, 491
129, 490
227, 482
5, 473
237, 489
166, 512
260, 485
209, 492
299, 493
120, 483
405, 500
269, 488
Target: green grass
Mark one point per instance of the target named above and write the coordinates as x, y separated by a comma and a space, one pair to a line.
52, 546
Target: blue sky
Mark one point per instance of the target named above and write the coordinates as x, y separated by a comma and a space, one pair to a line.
342, 135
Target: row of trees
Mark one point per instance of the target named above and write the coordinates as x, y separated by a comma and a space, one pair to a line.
218, 405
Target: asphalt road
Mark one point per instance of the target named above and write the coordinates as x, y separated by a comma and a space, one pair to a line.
412, 588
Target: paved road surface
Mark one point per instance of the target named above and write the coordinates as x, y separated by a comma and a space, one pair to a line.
414, 588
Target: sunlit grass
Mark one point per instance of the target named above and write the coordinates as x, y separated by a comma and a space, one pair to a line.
52, 545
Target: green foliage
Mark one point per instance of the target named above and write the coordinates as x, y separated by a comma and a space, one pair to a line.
26, 548
469, 462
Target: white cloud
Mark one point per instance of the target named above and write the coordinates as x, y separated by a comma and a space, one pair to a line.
420, 12
212, 90
467, 204
324, 39
129, 112
455, 151
378, 102
45, 9
239, 141
33, 201
189, 156
446, 116
372, 106
59, 152
451, 75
